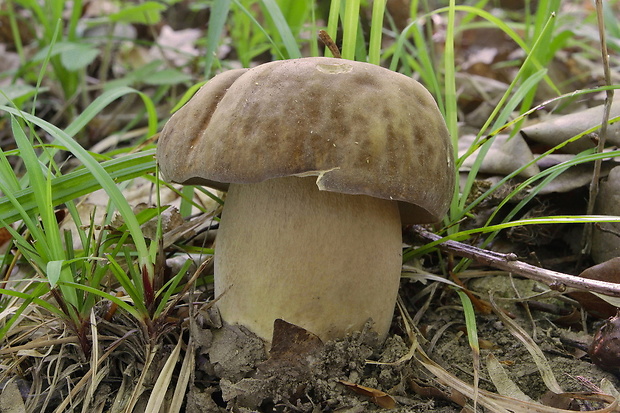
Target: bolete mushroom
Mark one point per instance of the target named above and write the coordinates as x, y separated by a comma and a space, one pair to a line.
323, 160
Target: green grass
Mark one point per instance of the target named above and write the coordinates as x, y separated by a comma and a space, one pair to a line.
278, 30
37, 182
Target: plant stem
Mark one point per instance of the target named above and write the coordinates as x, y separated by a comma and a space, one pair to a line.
556, 280
586, 240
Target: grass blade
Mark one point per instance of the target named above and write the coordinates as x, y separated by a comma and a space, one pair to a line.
106, 182
283, 29
349, 28
376, 28
332, 23
77, 183
217, 20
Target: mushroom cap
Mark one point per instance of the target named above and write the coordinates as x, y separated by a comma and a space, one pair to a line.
360, 128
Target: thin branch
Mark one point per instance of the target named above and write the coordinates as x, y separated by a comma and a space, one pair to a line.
586, 241
555, 280
329, 43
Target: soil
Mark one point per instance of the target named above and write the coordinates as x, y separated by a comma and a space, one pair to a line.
236, 372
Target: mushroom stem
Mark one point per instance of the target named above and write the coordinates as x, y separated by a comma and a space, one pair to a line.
322, 260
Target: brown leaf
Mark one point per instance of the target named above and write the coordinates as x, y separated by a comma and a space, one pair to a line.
5, 236
290, 347
481, 306
559, 401
606, 271
434, 392
291, 339
378, 397
567, 401
487, 344
572, 319
594, 305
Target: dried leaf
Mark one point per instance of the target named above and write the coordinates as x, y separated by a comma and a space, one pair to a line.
502, 382
608, 387
598, 305
170, 219
290, 346
505, 156
562, 128
537, 354
433, 392
378, 397
575, 177
497, 403
177, 46
487, 344
187, 369
574, 318
480, 94
481, 306
558, 401
291, 339
156, 400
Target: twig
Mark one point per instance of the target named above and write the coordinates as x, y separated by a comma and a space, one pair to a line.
329, 43
586, 241
556, 280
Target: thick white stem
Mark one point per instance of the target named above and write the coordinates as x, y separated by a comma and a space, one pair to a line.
321, 260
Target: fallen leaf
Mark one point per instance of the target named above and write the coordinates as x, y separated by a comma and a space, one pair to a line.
561, 128
291, 339
290, 347
481, 306
176, 46
573, 319
505, 156
558, 401
378, 397
608, 271
487, 344
433, 392
575, 177
502, 382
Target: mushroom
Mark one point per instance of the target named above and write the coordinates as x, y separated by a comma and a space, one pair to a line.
324, 159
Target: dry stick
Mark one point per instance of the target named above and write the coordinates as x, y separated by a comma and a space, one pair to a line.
556, 280
43, 342
329, 43
586, 240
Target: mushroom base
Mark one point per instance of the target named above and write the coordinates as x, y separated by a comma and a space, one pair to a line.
324, 261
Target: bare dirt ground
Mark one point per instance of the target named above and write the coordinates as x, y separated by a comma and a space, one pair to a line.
359, 374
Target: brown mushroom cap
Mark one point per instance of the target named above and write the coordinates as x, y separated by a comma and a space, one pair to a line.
360, 128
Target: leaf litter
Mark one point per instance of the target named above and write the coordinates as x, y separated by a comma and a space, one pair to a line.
231, 368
